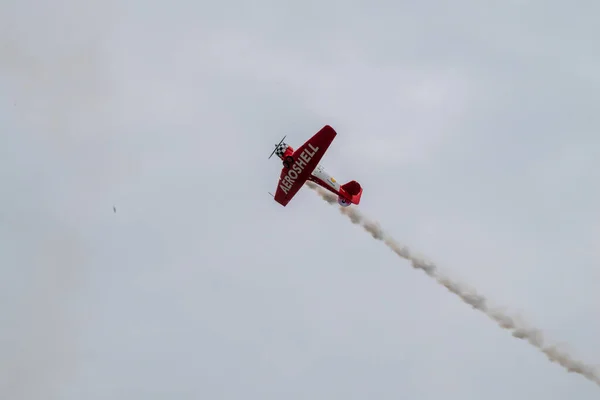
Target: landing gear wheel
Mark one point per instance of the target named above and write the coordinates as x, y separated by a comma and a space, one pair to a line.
289, 160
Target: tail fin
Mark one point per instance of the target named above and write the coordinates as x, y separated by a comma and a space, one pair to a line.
354, 190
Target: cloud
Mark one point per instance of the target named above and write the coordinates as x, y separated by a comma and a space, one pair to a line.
456, 119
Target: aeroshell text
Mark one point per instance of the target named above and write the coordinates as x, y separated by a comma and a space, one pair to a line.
287, 182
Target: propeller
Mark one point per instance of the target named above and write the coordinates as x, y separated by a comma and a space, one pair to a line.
277, 145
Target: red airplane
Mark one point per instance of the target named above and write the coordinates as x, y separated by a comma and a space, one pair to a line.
303, 164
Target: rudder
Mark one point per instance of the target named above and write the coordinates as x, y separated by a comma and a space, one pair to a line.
354, 189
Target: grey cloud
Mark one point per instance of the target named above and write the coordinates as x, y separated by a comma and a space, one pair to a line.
478, 127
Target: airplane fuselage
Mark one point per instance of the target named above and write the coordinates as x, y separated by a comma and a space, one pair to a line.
319, 175
303, 165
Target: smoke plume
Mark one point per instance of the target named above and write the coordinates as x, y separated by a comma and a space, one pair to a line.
468, 295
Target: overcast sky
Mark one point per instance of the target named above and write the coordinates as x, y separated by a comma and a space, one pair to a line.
472, 126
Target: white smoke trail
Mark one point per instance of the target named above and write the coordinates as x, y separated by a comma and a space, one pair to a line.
470, 296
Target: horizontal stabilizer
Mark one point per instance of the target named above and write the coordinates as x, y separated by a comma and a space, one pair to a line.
354, 190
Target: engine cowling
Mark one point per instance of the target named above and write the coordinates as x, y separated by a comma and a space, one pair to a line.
284, 150
343, 202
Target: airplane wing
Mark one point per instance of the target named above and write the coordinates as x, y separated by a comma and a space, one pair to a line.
306, 159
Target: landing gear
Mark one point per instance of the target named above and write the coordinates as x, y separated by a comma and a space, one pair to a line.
289, 160
343, 202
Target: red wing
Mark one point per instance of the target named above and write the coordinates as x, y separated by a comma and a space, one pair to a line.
320, 140
284, 193
306, 158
